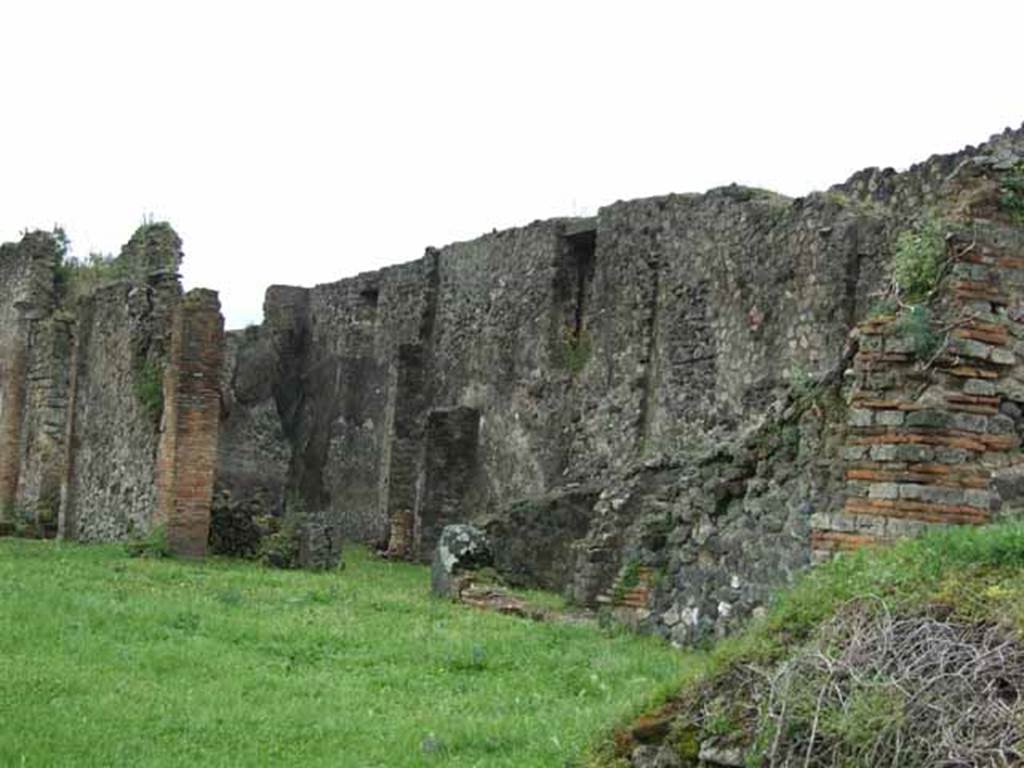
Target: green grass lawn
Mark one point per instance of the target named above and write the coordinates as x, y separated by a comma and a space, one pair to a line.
110, 661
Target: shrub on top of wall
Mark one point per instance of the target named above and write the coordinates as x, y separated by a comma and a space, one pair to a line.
1011, 193
918, 264
918, 261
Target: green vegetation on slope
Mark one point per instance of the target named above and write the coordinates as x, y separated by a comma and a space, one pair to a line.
968, 582
107, 660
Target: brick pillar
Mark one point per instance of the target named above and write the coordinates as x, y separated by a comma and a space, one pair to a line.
12, 407
187, 456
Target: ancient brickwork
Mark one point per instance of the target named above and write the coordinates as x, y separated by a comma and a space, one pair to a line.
188, 446
931, 432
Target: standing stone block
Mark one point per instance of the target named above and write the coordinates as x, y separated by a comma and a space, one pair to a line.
460, 549
890, 418
860, 417
979, 387
883, 452
319, 544
884, 491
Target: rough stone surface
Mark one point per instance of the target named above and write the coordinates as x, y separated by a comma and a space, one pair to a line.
669, 408
727, 757
556, 522
646, 756
83, 390
460, 549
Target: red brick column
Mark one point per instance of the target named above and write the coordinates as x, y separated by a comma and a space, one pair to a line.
187, 457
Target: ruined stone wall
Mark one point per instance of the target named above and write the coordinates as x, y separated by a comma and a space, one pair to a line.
83, 351
32, 385
44, 427
505, 333
669, 407
310, 396
709, 306
884, 440
122, 337
663, 333
253, 454
357, 326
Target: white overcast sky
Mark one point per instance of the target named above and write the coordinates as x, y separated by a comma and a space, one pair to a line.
300, 142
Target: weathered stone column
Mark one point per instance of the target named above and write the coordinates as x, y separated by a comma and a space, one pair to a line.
12, 406
403, 446
187, 457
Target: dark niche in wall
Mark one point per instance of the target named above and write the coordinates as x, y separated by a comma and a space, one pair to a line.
573, 277
369, 297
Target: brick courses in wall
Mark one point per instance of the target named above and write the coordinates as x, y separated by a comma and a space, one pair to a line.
930, 434
187, 457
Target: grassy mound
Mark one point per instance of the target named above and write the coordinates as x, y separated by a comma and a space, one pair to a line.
910, 655
107, 660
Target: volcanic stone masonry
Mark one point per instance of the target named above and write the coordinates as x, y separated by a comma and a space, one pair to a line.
668, 409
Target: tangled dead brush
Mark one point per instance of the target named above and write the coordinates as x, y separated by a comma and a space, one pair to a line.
879, 690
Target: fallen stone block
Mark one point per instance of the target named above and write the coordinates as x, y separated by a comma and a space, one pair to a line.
461, 549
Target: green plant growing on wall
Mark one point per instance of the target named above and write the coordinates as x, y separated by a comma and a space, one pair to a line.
77, 278
22, 521
149, 388
918, 261
883, 307
916, 324
280, 547
918, 264
628, 579
80, 277
576, 350
802, 383
1011, 194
